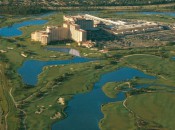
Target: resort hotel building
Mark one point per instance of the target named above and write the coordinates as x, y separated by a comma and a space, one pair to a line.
74, 28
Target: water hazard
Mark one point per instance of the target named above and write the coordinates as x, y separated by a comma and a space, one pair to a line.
32, 68
84, 110
13, 30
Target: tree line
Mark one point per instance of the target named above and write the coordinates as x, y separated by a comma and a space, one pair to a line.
21, 10
36, 6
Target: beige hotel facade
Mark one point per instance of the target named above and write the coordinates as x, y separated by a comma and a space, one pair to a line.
74, 28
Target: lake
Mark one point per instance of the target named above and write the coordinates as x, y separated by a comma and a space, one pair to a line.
14, 30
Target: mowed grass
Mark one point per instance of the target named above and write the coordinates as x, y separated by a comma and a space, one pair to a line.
116, 117
163, 68
156, 107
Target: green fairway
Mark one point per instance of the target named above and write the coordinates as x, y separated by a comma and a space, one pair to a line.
163, 68
158, 108
116, 117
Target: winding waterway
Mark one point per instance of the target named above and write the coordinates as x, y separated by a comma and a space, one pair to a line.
84, 110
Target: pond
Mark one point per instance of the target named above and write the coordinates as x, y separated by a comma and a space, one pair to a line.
13, 30
173, 58
30, 69
84, 110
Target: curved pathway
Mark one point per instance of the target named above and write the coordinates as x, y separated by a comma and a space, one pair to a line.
16, 105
